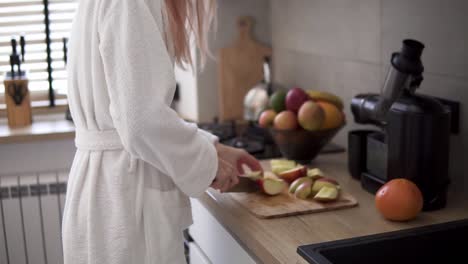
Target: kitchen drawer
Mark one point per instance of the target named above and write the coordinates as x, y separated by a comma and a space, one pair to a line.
214, 240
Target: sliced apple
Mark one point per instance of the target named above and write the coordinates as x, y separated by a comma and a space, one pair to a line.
280, 169
323, 182
291, 175
270, 175
254, 175
272, 186
304, 190
280, 162
279, 166
297, 183
327, 194
315, 173
330, 181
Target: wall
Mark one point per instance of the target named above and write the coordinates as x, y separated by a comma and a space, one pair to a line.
228, 13
344, 47
44, 156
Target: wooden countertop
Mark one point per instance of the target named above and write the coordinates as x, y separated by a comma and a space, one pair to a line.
276, 240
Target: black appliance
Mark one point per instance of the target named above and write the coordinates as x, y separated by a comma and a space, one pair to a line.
412, 133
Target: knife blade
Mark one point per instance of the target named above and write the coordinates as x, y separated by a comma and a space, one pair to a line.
245, 185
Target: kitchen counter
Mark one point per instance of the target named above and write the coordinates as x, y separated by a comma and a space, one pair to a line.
276, 240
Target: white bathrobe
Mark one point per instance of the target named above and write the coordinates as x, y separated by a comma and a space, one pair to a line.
137, 162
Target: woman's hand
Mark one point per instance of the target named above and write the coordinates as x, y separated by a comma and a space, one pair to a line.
230, 161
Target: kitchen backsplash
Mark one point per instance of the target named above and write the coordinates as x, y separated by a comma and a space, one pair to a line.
345, 46
206, 82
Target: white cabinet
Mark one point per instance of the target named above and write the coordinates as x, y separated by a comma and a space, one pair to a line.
214, 240
196, 255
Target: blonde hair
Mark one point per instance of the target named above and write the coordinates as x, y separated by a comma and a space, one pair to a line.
187, 18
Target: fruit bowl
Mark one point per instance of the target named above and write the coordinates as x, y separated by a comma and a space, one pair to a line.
302, 145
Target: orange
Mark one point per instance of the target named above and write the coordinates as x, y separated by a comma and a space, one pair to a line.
399, 200
333, 116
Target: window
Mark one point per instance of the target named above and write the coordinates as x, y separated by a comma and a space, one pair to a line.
45, 25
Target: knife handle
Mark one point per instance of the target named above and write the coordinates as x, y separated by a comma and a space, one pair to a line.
65, 50
22, 44
12, 64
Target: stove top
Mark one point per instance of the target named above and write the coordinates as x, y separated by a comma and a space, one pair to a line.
254, 139
250, 137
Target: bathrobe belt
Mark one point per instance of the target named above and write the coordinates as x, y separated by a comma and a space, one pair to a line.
98, 140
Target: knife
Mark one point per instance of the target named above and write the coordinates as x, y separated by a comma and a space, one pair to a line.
245, 185
13, 57
22, 44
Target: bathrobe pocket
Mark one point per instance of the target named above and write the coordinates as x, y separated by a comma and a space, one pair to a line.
166, 215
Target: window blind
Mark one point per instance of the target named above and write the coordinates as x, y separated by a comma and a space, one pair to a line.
27, 18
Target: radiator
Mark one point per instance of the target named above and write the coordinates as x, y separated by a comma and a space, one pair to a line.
31, 209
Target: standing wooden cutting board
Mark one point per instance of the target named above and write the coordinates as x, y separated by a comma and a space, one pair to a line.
264, 206
240, 67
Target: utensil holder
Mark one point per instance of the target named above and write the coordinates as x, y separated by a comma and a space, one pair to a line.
18, 100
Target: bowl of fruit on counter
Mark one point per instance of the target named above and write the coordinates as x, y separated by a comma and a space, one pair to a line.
302, 122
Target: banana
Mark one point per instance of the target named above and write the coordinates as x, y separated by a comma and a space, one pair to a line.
327, 97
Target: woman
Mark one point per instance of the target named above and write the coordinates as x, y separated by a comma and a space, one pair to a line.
137, 162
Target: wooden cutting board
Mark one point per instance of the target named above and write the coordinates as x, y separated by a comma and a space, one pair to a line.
240, 67
264, 206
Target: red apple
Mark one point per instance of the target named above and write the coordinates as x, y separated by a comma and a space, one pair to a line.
266, 118
272, 186
295, 98
285, 120
293, 187
304, 190
291, 175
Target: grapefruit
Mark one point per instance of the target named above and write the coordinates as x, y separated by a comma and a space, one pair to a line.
399, 200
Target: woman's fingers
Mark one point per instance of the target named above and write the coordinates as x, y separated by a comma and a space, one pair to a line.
224, 179
216, 184
250, 161
233, 178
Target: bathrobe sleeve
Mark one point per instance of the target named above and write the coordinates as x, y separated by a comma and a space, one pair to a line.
140, 78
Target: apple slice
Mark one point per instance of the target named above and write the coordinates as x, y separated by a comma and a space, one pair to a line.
270, 175
272, 186
254, 175
298, 182
279, 162
280, 168
315, 174
291, 175
304, 190
322, 182
327, 194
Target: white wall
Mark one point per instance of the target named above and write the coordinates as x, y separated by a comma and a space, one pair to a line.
36, 156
